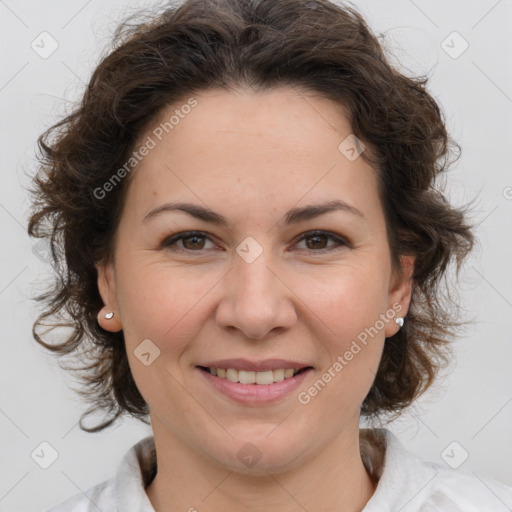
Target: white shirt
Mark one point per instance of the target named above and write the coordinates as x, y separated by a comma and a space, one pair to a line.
405, 483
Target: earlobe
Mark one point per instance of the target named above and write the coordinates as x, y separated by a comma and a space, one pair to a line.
108, 321
400, 294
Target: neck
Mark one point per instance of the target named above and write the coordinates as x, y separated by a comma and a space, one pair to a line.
335, 479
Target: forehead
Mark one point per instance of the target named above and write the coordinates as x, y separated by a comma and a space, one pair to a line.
266, 148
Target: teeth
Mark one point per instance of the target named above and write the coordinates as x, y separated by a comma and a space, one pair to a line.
246, 377
250, 377
288, 373
278, 375
232, 374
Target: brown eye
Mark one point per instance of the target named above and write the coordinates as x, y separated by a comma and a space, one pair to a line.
193, 242
190, 241
317, 241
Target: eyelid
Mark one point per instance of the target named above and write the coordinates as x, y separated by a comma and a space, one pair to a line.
170, 241
341, 242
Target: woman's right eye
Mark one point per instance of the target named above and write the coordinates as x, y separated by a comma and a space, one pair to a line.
191, 241
194, 241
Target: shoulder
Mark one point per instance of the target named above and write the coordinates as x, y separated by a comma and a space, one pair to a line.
101, 497
464, 492
123, 492
408, 484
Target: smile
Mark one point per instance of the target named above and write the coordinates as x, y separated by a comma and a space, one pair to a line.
252, 377
252, 387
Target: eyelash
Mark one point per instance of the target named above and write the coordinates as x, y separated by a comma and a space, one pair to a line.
171, 241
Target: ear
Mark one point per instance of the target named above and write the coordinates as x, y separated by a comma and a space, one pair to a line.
400, 292
107, 289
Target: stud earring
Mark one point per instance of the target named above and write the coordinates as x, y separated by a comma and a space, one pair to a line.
399, 320
110, 315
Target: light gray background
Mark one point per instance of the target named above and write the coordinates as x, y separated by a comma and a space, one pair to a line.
472, 406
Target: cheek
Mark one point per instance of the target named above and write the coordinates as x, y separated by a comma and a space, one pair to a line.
167, 306
161, 302
352, 336
348, 298
351, 308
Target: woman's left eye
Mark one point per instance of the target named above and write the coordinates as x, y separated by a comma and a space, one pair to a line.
194, 241
318, 237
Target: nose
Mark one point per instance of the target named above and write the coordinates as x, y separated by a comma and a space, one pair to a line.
256, 299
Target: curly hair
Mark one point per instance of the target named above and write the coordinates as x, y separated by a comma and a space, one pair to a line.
313, 45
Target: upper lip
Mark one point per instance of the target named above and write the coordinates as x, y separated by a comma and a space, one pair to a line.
255, 366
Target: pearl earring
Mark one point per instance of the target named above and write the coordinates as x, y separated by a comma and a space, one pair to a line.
399, 320
110, 315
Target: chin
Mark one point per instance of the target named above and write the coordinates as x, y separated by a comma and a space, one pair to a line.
276, 464
258, 455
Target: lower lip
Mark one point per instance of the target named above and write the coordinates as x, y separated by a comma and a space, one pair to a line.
255, 394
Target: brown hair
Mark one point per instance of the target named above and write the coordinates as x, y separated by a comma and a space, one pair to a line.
314, 45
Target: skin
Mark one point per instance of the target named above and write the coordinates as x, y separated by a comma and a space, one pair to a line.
251, 156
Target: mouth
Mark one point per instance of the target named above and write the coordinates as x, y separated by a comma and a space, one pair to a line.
262, 378
251, 387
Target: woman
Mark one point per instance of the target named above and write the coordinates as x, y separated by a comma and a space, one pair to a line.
250, 248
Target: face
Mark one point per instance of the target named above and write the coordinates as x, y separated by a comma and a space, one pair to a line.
262, 285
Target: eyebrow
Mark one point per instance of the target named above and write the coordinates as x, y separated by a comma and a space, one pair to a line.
292, 216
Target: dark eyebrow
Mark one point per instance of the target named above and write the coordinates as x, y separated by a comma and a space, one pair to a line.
292, 216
